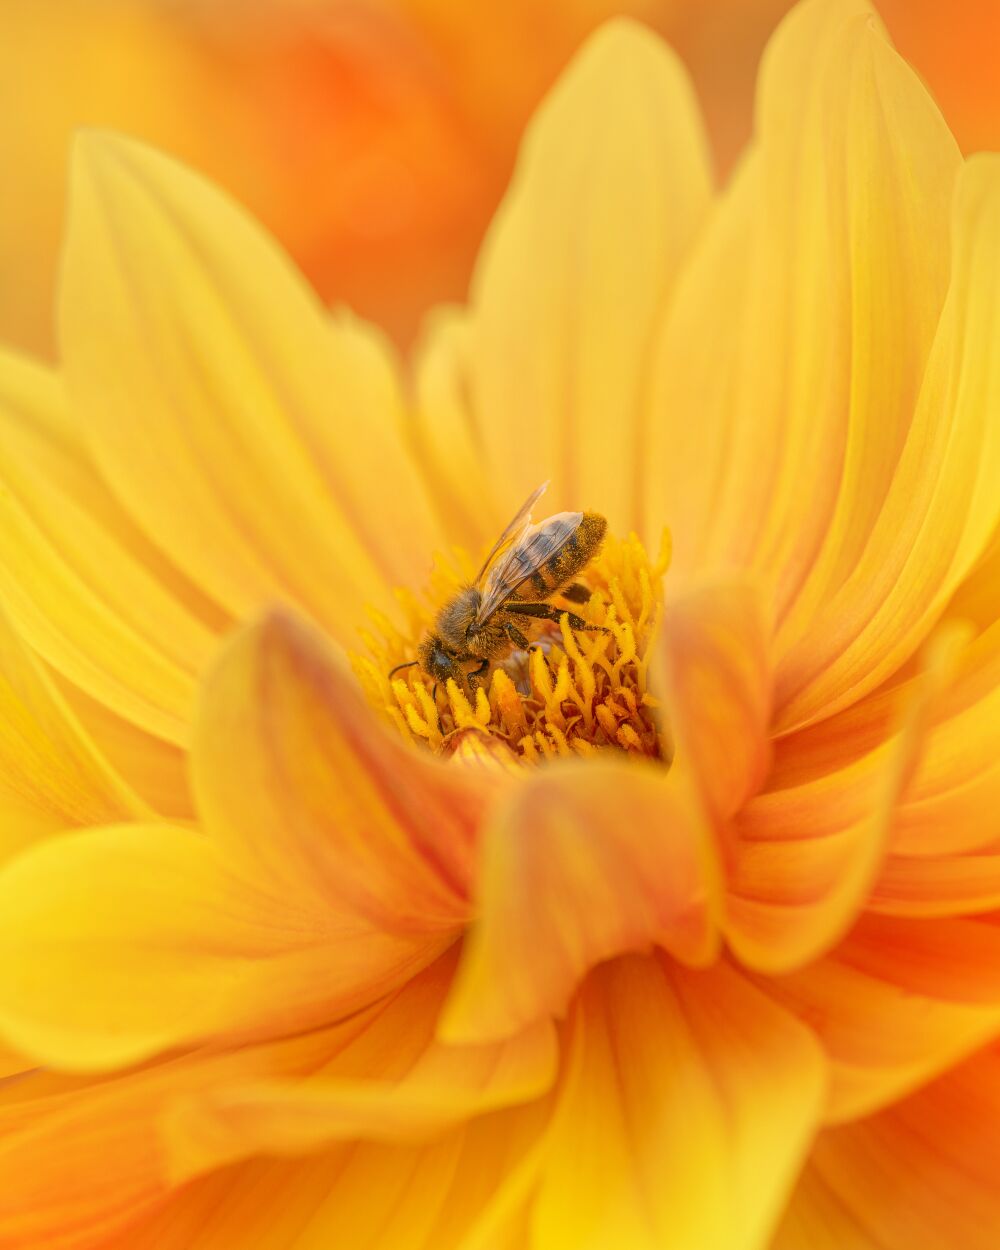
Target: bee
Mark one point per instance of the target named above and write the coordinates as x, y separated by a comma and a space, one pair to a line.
527, 566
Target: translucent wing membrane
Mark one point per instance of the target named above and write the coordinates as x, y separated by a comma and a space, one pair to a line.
521, 521
535, 547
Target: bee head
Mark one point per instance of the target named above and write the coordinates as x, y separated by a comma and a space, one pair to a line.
437, 660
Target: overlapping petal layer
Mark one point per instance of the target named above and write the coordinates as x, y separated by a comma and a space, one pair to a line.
923, 1175
78, 579
578, 264
241, 429
583, 862
688, 1101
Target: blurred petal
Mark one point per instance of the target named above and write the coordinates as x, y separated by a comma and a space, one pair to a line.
449, 445
121, 942
688, 1103
942, 506
804, 858
611, 187
459, 1193
785, 371
584, 862
896, 1003
52, 776
923, 1175
393, 1081
268, 461
78, 580
715, 655
80, 1161
301, 783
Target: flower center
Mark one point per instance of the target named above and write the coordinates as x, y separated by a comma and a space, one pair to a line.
572, 693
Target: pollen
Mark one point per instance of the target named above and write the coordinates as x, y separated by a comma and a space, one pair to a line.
573, 693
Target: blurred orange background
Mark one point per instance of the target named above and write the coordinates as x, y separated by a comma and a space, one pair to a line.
373, 138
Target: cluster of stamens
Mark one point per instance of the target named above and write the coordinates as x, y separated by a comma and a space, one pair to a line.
574, 693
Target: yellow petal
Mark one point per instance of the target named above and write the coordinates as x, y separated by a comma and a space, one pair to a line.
268, 460
155, 769
896, 1003
448, 443
298, 780
121, 942
78, 580
923, 1175
688, 1103
454, 1194
83, 1159
585, 862
784, 376
803, 858
715, 664
611, 186
393, 1081
52, 776
942, 506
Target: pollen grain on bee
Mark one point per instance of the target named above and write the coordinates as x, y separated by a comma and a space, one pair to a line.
573, 693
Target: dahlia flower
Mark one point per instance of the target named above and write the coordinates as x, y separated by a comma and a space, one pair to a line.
679, 932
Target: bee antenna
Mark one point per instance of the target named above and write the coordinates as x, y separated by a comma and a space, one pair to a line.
408, 664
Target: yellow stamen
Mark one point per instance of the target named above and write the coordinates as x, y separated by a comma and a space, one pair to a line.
574, 694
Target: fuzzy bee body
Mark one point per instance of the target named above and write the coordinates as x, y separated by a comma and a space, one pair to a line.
527, 566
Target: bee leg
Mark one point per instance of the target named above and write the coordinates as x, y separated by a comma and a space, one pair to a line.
545, 612
576, 592
473, 676
516, 637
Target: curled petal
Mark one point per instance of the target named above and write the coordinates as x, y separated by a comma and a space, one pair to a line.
715, 663
392, 1081
119, 943
584, 862
804, 858
688, 1102
299, 781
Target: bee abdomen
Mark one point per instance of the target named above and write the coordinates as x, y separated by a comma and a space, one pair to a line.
577, 552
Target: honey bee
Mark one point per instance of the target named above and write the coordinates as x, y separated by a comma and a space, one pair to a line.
528, 565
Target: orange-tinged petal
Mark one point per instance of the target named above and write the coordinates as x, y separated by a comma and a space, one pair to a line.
942, 506
584, 862
298, 779
120, 942
392, 1082
804, 858
82, 1160
897, 1002
784, 373
922, 1175
81, 585
268, 460
715, 657
52, 776
611, 186
688, 1102
460, 1193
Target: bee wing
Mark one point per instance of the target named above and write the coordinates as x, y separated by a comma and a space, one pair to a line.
538, 544
521, 521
